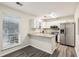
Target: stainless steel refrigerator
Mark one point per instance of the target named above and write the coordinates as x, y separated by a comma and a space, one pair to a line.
67, 34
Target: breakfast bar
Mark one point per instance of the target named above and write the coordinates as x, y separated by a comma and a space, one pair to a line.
44, 42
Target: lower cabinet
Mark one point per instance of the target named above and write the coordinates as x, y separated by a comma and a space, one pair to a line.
47, 44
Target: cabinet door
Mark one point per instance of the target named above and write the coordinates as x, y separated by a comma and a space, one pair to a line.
70, 34
34, 23
31, 23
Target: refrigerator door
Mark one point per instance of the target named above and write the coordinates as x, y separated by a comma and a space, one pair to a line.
62, 39
70, 33
62, 33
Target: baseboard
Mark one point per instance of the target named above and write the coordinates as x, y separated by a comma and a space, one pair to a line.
2, 53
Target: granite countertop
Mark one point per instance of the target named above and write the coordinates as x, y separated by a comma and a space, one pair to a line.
42, 34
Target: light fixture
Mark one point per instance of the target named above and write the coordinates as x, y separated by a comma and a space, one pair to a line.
18, 3
53, 15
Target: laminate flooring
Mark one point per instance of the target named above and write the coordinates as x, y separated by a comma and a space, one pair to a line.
61, 51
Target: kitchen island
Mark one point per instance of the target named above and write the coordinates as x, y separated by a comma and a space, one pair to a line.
44, 42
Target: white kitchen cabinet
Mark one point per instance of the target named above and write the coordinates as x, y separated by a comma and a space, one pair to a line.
31, 23
34, 23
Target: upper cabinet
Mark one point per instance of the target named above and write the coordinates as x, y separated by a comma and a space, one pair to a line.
35, 23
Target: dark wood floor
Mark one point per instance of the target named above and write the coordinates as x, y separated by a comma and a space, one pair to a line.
61, 51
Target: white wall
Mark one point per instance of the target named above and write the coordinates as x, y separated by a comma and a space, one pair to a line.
76, 16
24, 27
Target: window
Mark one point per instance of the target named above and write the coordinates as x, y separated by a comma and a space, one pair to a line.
10, 32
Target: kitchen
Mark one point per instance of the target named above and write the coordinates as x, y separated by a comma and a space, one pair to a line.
41, 29
51, 29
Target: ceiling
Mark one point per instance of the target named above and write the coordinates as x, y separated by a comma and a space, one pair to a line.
42, 8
